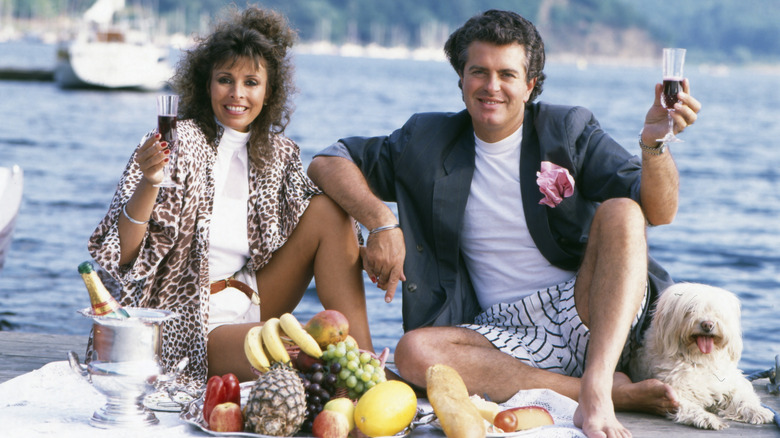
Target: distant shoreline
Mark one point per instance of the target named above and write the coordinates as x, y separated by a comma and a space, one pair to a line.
435, 54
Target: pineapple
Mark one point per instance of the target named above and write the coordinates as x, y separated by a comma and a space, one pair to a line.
277, 403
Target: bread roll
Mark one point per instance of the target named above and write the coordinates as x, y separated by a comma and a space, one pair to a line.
458, 416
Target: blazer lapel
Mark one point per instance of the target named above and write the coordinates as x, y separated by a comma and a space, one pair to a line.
450, 194
536, 215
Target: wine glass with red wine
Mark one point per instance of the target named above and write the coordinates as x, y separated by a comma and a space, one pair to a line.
673, 77
167, 111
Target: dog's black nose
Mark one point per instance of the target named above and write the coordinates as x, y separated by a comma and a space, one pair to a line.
707, 326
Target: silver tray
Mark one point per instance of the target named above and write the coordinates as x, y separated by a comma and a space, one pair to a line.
193, 414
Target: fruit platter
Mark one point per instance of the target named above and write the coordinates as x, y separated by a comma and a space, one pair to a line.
312, 380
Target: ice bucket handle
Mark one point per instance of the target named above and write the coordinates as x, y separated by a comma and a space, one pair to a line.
75, 365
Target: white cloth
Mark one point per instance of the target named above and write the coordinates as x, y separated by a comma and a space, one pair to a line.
561, 409
55, 401
228, 235
502, 259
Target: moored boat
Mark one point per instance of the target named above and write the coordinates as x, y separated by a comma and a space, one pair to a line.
110, 55
11, 182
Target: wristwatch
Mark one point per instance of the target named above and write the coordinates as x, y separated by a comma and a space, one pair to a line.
652, 150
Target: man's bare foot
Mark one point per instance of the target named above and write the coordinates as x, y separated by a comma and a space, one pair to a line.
651, 396
595, 414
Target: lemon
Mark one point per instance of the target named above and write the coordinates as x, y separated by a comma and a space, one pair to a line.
386, 409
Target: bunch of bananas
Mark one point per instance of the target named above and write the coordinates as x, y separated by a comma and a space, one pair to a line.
263, 344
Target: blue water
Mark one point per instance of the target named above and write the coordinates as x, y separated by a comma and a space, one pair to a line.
73, 146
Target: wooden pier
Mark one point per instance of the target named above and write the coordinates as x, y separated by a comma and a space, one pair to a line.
26, 74
24, 352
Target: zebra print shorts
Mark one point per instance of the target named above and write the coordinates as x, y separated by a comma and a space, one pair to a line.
544, 330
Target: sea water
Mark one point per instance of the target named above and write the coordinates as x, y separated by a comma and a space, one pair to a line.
74, 144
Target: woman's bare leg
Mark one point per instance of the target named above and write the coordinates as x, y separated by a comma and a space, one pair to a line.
323, 246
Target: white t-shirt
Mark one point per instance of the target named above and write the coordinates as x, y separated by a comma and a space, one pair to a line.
500, 254
228, 238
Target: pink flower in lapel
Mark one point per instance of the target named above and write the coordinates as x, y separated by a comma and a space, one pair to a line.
555, 183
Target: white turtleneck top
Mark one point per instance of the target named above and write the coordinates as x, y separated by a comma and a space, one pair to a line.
228, 241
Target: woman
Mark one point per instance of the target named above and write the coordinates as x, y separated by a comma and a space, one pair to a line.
245, 210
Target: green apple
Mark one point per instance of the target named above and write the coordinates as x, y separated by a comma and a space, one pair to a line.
343, 405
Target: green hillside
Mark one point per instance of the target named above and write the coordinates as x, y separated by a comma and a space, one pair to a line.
735, 31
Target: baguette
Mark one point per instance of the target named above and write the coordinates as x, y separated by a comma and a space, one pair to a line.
458, 416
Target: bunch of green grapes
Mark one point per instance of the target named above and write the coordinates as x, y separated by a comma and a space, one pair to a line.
357, 371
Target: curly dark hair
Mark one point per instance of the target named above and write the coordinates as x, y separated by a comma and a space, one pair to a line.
253, 33
501, 28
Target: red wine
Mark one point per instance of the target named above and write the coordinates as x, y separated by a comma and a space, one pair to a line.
671, 88
167, 127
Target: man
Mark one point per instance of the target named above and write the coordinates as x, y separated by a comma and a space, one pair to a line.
512, 292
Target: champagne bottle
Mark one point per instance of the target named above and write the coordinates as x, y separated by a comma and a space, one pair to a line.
103, 304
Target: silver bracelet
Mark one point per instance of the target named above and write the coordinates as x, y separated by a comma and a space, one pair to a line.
124, 212
658, 150
383, 228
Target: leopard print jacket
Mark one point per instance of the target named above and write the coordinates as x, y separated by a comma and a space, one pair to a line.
171, 270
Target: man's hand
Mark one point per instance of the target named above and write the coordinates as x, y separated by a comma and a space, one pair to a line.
656, 120
383, 260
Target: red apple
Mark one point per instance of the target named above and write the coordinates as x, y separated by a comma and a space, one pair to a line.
328, 327
226, 417
303, 361
343, 405
330, 424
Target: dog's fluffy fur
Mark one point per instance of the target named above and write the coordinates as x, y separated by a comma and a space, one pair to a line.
694, 344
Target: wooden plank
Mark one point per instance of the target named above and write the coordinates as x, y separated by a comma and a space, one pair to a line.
21, 353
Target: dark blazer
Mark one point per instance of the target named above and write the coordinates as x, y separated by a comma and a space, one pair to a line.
426, 168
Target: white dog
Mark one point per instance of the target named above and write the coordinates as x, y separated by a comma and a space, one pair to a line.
694, 344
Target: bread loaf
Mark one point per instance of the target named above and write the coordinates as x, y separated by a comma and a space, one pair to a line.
458, 416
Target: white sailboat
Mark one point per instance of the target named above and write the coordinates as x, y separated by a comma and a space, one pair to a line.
11, 181
112, 56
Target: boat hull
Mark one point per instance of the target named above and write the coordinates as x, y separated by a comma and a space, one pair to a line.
112, 65
11, 183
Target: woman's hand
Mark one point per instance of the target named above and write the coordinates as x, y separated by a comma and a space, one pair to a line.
152, 157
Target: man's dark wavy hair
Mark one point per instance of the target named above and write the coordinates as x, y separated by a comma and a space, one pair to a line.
500, 28
253, 33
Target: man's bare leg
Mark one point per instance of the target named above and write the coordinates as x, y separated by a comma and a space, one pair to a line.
477, 360
608, 293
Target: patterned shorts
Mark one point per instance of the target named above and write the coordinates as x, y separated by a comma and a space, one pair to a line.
544, 330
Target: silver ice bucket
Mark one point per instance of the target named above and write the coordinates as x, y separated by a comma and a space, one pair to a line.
124, 365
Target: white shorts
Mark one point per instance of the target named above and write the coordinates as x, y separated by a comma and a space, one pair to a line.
232, 306
544, 330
